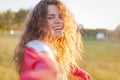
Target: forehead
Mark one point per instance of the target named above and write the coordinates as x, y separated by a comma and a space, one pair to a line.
52, 9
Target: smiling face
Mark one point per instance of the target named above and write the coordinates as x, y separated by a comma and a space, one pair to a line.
54, 21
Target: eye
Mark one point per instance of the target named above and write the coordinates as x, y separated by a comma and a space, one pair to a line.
60, 16
50, 17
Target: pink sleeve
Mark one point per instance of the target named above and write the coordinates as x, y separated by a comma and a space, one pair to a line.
82, 74
37, 66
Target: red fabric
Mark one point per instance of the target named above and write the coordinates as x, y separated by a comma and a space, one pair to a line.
82, 74
37, 66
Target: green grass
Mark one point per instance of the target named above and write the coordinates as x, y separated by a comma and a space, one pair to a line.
101, 59
7, 67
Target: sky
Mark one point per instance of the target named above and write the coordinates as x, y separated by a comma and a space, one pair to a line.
91, 14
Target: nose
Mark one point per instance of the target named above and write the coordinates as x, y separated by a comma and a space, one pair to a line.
59, 20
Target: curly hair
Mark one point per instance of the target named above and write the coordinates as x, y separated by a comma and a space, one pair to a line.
69, 47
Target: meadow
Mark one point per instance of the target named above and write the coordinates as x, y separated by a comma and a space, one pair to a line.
101, 59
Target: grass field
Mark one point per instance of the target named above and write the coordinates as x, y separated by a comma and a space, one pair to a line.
101, 59
7, 67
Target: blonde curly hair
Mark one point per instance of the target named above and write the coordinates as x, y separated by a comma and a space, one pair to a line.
69, 47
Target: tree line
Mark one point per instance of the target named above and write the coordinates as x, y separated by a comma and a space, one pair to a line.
10, 20
110, 35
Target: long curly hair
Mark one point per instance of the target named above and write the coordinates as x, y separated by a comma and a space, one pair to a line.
69, 47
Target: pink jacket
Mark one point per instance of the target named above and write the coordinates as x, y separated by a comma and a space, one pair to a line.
37, 66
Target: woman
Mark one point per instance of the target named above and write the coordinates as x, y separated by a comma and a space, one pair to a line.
50, 46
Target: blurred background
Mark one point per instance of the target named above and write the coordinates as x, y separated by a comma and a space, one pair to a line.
98, 20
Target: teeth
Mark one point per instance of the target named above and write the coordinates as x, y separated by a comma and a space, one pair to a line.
58, 28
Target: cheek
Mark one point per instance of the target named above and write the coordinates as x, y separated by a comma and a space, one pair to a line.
50, 24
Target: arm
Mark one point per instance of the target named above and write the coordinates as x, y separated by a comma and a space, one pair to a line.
37, 66
83, 74
79, 74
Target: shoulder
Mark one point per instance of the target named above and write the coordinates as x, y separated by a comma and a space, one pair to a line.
39, 46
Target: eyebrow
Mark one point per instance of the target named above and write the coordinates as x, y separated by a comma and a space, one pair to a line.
51, 14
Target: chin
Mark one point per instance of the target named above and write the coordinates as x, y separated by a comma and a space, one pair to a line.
59, 35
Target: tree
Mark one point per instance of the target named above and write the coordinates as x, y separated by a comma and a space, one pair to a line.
20, 17
117, 32
2, 21
9, 16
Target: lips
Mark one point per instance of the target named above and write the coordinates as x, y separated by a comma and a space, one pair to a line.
58, 27
58, 31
